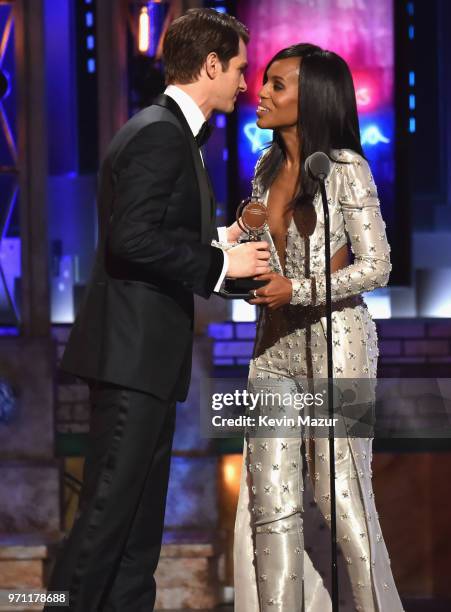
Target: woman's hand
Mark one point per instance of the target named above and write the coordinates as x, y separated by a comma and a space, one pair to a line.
276, 293
233, 232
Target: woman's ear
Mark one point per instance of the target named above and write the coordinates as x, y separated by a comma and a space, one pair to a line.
212, 65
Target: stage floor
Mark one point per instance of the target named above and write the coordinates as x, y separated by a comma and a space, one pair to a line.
410, 605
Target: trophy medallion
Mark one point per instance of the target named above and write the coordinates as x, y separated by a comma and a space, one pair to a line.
251, 216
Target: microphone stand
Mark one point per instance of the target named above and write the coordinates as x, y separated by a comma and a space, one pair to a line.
333, 506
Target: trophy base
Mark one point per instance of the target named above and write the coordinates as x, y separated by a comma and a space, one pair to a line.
240, 288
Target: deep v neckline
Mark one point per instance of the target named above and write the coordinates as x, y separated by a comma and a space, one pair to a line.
282, 268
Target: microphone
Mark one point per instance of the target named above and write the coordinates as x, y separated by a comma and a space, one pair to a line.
317, 165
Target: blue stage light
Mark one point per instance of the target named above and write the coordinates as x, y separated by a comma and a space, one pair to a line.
9, 331
91, 65
372, 135
89, 18
257, 137
412, 125
5, 84
412, 78
8, 403
220, 121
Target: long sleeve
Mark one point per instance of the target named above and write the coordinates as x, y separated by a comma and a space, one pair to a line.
359, 204
149, 169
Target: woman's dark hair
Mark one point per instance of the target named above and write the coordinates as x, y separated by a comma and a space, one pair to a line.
327, 114
194, 35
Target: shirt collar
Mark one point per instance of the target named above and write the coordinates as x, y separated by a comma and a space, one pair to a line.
189, 108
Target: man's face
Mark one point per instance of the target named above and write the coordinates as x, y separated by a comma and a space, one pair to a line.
229, 83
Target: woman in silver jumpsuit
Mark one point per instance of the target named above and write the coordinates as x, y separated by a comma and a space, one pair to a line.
282, 531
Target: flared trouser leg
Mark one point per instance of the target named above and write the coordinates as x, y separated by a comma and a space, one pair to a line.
277, 469
351, 521
275, 466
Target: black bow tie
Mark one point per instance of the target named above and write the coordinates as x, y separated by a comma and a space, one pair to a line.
204, 134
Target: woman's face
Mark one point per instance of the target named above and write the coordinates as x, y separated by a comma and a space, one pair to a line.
278, 98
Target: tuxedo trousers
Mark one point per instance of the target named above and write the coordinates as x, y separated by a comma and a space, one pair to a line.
108, 559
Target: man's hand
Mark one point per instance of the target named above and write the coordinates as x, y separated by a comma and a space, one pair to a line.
233, 232
276, 293
248, 259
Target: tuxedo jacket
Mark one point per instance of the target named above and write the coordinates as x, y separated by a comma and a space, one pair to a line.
156, 221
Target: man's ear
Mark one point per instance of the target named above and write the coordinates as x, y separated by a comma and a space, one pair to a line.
212, 65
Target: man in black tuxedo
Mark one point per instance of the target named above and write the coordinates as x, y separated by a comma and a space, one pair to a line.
132, 339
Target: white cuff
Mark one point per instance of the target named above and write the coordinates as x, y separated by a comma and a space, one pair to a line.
225, 266
222, 233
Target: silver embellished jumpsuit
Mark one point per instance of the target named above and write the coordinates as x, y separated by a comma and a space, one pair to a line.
282, 530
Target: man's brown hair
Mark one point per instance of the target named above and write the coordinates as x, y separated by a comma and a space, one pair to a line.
194, 35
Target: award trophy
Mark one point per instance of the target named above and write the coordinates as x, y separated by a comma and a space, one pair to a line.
251, 217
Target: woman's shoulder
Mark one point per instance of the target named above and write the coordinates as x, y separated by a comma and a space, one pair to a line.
352, 175
347, 156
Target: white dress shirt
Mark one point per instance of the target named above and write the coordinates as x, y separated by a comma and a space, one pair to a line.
195, 119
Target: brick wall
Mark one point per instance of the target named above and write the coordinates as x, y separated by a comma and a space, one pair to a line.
415, 340
402, 342
408, 348
72, 407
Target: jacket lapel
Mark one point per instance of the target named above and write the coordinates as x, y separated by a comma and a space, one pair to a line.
201, 173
